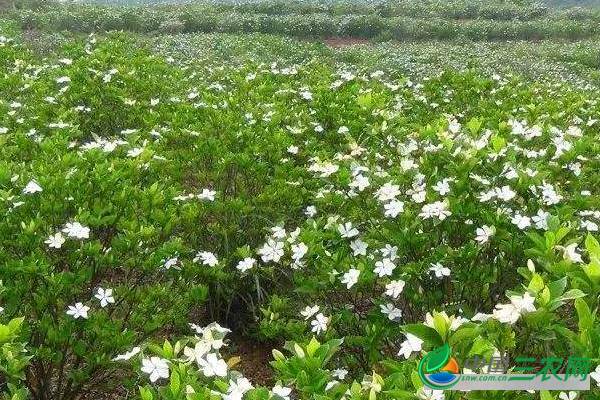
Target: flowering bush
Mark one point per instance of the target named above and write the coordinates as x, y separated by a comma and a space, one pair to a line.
361, 219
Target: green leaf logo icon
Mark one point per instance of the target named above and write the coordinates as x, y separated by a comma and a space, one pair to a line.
437, 358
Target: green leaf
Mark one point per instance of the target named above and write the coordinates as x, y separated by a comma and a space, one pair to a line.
573, 294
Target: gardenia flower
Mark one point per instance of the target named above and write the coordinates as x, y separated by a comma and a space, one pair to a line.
213, 366
521, 221
319, 324
484, 234
346, 230
387, 192
540, 219
55, 241
385, 267
32, 187
156, 367
359, 247
207, 258
360, 183
572, 395
394, 288
309, 311
126, 356
442, 187
310, 211
246, 264
510, 313
339, 373
105, 296
196, 353
207, 194
271, 251
237, 388
570, 253
76, 230
282, 391
78, 311
393, 208
439, 270
426, 394
391, 311
437, 209
410, 345
595, 375
299, 250
350, 278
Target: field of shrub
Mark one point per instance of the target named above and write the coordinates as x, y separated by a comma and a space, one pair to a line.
210, 216
406, 20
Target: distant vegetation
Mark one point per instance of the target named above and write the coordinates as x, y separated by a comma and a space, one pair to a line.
406, 20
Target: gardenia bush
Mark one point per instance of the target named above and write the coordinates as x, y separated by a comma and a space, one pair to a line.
149, 209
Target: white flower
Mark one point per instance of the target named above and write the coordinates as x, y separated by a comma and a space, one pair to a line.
282, 391
207, 194
213, 366
442, 187
346, 230
32, 187
340, 373
350, 278
55, 241
437, 209
319, 324
237, 388
484, 234
246, 264
572, 395
570, 253
540, 219
505, 193
310, 211
207, 258
359, 247
510, 313
439, 270
76, 230
595, 375
391, 311
360, 182
426, 394
105, 296
292, 149
410, 345
78, 311
271, 251
385, 267
394, 288
387, 192
135, 152
393, 208
171, 263
156, 367
196, 353
521, 221
126, 356
63, 79
299, 250
309, 311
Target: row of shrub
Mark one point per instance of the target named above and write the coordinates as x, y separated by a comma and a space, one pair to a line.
457, 9
189, 19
